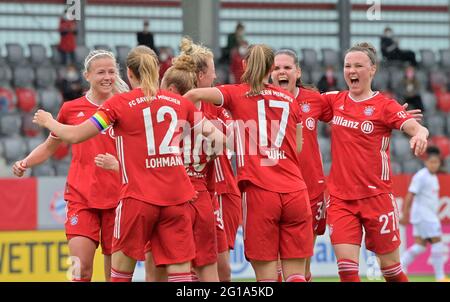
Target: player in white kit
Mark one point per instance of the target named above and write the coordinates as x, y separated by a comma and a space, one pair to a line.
421, 208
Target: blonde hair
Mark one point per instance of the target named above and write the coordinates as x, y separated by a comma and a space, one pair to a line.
259, 60
200, 54
119, 84
366, 48
181, 74
144, 64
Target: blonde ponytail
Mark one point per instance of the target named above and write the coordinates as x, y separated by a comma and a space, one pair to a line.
259, 60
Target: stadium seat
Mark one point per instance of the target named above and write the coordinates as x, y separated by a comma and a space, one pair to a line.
33, 142
428, 58
423, 78
412, 166
327, 167
30, 129
222, 73
55, 57
44, 169
443, 143
10, 124
446, 164
437, 78
435, 124
23, 76
396, 75
444, 57
14, 148
5, 74
122, 54
316, 74
15, 54
396, 167
400, 148
45, 76
331, 57
27, 99
309, 58
62, 168
38, 54
447, 122
381, 80
325, 148
8, 100
81, 53
50, 99
429, 101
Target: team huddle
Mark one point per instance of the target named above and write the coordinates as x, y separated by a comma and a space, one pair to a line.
151, 176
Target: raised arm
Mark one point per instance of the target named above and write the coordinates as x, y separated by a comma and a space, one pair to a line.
71, 134
418, 134
210, 95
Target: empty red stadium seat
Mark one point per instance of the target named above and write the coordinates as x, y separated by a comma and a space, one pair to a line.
62, 151
443, 143
26, 99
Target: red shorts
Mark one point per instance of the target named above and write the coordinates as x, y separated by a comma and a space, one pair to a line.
231, 206
204, 226
378, 215
222, 243
90, 223
276, 224
319, 214
169, 230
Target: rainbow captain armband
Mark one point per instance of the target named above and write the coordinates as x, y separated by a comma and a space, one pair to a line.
100, 120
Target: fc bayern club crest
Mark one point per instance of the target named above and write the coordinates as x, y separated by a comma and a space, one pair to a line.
368, 111
306, 107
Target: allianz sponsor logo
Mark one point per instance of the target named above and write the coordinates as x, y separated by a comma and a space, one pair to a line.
366, 127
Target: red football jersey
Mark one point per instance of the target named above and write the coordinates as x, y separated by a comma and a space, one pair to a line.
148, 134
265, 131
313, 109
87, 183
223, 180
197, 153
360, 136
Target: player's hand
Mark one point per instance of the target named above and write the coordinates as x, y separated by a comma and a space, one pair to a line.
419, 143
42, 117
19, 168
404, 220
107, 162
415, 113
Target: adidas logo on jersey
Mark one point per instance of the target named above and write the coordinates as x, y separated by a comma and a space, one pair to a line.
395, 238
341, 107
80, 114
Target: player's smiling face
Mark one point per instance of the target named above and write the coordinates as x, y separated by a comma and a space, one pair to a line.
101, 75
285, 72
207, 77
358, 73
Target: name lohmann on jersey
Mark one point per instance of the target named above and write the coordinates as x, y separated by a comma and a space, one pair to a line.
161, 162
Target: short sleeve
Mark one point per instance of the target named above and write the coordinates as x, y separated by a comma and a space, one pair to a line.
416, 184
326, 112
107, 114
227, 99
61, 118
395, 115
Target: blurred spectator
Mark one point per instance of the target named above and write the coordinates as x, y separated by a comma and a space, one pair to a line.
328, 82
236, 68
71, 84
233, 41
443, 98
165, 60
145, 37
68, 43
391, 50
409, 89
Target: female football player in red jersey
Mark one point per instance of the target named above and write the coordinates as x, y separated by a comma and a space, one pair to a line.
276, 209
286, 74
360, 177
148, 124
91, 193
